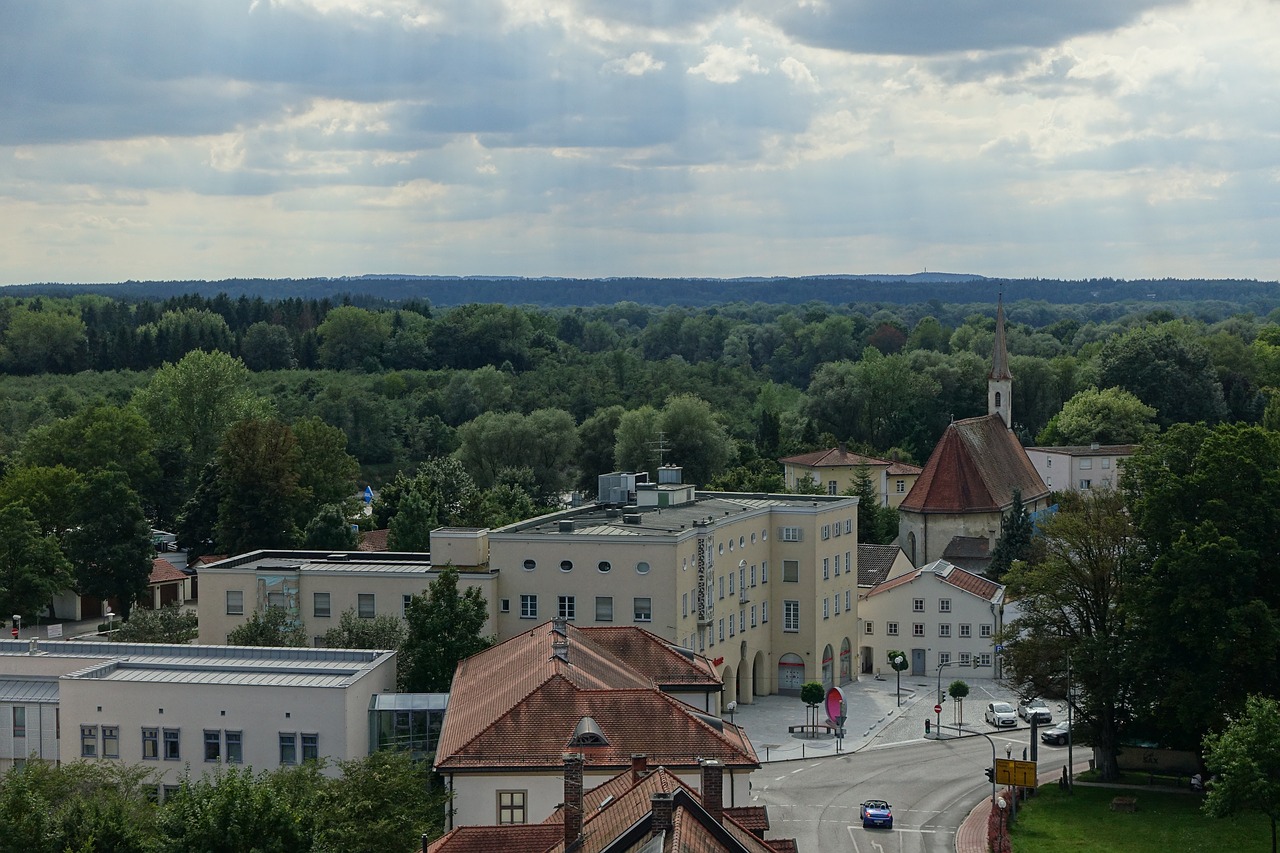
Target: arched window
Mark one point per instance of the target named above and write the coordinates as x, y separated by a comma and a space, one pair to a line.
997, 399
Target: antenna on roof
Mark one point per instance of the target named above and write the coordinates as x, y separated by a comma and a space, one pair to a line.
658, 447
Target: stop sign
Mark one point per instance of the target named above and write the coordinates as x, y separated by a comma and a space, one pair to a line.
937, 709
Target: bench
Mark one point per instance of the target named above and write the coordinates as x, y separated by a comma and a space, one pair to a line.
1124, 804
811, 727
1176, 779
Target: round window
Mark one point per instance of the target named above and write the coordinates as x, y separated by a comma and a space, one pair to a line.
753, 539
720, 547
604, 566
642, 567
566, 565
530, 565
742, 542
764, 534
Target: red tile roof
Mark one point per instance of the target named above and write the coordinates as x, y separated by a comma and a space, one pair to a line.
162, 571
955, 576
974, 468
517, 705
874, 562
374, 540
654, 656
535, 838
838, 457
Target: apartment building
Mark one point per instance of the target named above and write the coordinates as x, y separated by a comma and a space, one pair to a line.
836, 469
1080, 468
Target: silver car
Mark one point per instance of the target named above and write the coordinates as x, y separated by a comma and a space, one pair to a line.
1001, 715
1035, 709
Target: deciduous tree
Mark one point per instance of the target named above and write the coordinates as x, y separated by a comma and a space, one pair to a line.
110, 544
445, 626
1245, 761
352, 632
172, 623
274, 627
32, 567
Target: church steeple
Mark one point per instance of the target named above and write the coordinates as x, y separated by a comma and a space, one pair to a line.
1000, 380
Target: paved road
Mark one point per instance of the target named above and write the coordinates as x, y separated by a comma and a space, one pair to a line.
932, 785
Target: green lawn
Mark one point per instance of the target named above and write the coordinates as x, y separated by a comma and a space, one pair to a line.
1166, 822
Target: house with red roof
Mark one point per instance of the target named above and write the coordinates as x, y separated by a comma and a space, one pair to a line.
836, 469
957, 506
607, 693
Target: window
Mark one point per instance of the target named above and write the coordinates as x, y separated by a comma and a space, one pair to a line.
837, 608
110, 741
965, 659
1048, 462
530, 565
868, 628
790, 571
764, 572
917, 629
891, 628
742, 578
944, 605
826, 531
753, 574
984, 630
365, 605
1106, 463
235, 748
753, 616
846, 600
1086, 464
720, 627
826, 608
826, 568
997, 399
568, 607
720, 548
566, 565
604, 566
604, 608
684, 604
984, 659
944, 657
733, 623
831, 487
917, 605
642, 568
848, 525
528, 607
764, 612
504, 605
19, 721
790, 615
88, 741
277, 600
150, 744
966, 630
172, 745
288, 748
1085, 485
511, 807
310, 747
900, 486
235, 602
320, 604
212, 745
405, 601
837, 565
835, 529
944, 630
789, 534
643, 608
731, 583
722, 586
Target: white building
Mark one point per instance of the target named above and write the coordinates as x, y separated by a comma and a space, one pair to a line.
1080, 468
173, 707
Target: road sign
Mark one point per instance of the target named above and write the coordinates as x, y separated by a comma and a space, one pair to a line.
937, 709
1010, 771
999, 648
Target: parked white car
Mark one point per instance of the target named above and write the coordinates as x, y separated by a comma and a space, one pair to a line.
1029, 709
1001, 715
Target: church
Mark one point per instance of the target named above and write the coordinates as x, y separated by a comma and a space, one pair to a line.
955, 510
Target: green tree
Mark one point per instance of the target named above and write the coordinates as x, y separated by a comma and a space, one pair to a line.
878, 401
352, 338
1245, 758
1073, 605
544, 441
444, 626
191, 404
812, 694
1173, 376
1109, 416
637, 440
110, 545
1016, 534
326, 471
267, 347
94, 438
697, 440
172, 623
197, 523
32, 567
50, 493
383, 803
330, 530
271, 628
78, 806
38, 341
876, 524
258, 465
352, 632
233, 809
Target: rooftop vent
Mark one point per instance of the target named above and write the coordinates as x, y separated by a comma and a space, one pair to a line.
566, 525
631, 518
587, 733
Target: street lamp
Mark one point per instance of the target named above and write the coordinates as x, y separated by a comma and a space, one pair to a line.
1070, 758
731, 707
109, 615
17, 624
940, 666
898, 665
1002, 805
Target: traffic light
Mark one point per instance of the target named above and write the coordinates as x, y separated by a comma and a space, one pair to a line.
991, 774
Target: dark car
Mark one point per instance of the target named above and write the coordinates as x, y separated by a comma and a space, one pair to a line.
1056, 736
1035, 709
876, 813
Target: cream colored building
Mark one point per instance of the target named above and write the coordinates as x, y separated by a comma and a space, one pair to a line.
835, 470
316, 587
169, 708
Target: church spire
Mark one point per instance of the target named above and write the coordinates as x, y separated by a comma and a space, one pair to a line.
1000, 380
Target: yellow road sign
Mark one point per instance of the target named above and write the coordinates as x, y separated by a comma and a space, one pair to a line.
1010, 771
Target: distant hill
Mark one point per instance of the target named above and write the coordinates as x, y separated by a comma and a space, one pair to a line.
953, 288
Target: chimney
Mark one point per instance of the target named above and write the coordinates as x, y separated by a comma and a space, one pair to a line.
713, 788
639, 766
663, 806
572, 799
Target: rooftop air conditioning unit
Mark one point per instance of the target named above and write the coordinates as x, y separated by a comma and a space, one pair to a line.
631, 518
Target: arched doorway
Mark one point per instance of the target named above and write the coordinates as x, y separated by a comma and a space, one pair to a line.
729, 678
790, 674
759, 675
745, 676
828, 668
846, 661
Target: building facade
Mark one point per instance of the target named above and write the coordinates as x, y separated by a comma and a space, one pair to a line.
836, 471
1080, 468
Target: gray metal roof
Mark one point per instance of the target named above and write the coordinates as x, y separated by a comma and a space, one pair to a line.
29, 691
409, 702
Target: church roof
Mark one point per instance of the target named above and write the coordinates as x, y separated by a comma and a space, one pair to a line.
975, 467
1000, 353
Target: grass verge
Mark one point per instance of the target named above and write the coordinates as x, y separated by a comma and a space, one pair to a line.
1166, 822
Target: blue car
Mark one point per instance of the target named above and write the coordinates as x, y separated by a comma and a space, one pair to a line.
876, 813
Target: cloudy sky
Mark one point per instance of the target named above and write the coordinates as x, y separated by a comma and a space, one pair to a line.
161, 139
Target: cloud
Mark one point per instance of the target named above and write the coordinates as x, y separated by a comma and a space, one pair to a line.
722, 64
636, 64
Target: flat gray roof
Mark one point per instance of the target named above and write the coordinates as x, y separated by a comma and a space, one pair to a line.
29, 691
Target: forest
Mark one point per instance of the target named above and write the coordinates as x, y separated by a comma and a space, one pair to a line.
246, 422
